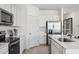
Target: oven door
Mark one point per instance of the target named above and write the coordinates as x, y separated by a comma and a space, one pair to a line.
14, 48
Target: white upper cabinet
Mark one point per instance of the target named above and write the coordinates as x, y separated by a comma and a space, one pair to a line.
13, 11
32, 10
19, 14
32, 25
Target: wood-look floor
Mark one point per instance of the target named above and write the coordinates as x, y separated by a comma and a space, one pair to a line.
42, 49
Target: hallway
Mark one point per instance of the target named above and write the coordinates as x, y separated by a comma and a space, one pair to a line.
42, 49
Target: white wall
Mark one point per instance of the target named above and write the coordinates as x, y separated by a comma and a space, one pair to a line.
75, 17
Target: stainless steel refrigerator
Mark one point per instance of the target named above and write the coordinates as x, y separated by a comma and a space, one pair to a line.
53, 28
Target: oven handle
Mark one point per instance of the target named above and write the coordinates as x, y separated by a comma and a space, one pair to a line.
14, 42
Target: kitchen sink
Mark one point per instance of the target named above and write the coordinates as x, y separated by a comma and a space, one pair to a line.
65, 40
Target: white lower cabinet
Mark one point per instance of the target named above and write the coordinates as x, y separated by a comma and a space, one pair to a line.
32, 41
22, 43
4, 49
56, 48
42, 39
21, 47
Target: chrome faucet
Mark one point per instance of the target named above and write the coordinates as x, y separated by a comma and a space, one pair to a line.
70, 35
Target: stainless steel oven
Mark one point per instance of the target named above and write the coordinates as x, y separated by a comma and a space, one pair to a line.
14, 46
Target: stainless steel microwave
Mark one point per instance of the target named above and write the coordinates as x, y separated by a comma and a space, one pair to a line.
6, 18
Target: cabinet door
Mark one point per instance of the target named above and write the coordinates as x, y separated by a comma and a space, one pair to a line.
14, 11
53, 48
56, 48
61, 49
22, 43
4, 49
42, 39
21, 47
33, 31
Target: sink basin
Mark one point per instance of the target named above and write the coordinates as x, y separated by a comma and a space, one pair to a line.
65, 40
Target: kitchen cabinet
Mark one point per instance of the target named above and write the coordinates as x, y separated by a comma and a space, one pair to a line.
3, 48
32, 41
42, 38
19, 12
56, 48
22, 43
32, 26
14, 12
32, 32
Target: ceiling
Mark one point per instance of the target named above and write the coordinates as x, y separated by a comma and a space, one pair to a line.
56, 6
68, 8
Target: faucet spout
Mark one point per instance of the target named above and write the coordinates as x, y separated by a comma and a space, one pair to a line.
70, 35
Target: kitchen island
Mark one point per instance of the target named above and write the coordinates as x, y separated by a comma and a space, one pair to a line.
58, 47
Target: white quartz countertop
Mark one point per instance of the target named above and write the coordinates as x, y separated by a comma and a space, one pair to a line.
66, 45
3, 44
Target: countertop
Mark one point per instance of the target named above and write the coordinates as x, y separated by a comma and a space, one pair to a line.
66, 45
